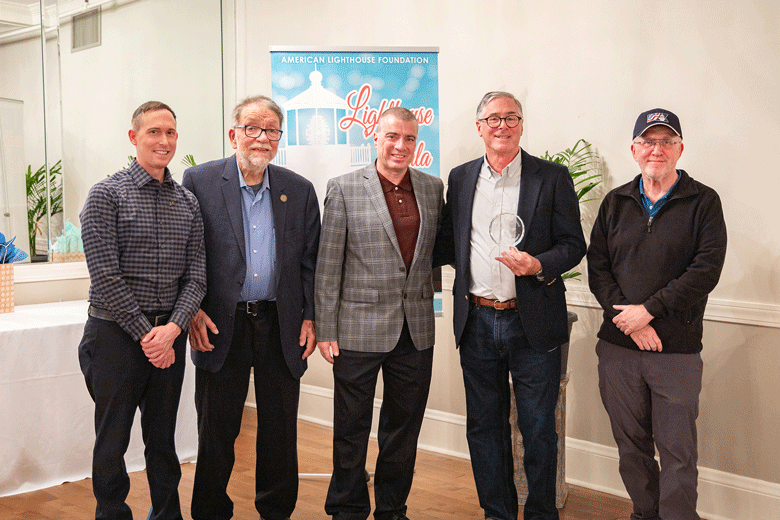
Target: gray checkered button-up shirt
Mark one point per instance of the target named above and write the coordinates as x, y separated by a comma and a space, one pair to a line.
143, 241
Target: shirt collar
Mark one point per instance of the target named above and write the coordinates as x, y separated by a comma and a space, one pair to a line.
142, 177
513, 169
665, 195
405, 184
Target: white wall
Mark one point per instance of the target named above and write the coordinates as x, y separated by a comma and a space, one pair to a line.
586, 70
164, 50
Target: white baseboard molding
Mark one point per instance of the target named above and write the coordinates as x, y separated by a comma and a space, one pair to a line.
722, 496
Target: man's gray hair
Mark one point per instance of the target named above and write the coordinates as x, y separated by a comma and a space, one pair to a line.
490, 96
263, 101
400, 113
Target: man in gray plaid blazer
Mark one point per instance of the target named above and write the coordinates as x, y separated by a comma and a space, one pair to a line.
374, 309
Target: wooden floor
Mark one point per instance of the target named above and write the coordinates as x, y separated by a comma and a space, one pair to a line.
443, 488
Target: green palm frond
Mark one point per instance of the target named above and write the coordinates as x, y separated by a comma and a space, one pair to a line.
584, 165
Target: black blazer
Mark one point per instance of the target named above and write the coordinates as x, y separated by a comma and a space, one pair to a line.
550, 211
297, 224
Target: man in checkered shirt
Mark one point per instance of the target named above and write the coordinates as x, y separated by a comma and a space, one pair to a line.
143, 241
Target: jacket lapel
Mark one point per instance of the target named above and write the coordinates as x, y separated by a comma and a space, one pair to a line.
377, 198
424, 206
466, 206
530, 185
232, 195
279, 203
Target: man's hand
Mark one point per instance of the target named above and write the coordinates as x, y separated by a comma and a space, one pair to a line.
519, 262
647, 339
158, 344
165, 358
631, 318
307, 338
328, 349
200, 324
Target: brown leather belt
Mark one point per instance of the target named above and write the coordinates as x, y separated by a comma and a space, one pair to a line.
493, 304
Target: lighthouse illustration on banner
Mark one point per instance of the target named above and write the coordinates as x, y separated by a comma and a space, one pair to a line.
332, 100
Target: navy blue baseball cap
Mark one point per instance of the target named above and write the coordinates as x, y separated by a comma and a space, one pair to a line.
656, 116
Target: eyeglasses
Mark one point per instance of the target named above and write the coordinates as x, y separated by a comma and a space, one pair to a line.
649, 144
495, 121
254, 132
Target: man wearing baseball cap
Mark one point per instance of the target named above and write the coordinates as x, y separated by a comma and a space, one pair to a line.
656, 251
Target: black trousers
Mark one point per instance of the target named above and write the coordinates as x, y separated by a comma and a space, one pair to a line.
219, 400
120, 380
406, 373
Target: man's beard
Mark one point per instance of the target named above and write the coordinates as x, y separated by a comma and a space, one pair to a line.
252, 164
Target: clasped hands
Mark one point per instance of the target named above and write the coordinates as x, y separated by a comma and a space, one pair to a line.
158, 344
634, 321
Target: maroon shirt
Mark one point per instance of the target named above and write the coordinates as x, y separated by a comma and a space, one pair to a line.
405, 214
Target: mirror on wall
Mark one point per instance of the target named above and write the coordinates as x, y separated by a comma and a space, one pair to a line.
73, 71
31, 186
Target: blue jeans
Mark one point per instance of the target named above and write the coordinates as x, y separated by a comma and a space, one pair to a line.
494, 346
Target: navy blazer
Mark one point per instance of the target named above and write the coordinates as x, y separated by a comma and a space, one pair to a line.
297, 226
550, 211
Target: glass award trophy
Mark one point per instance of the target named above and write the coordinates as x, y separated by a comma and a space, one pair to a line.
507, 230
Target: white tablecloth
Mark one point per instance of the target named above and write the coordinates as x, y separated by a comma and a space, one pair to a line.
47, 429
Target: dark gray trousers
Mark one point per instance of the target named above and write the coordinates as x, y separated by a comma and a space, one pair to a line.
652, 400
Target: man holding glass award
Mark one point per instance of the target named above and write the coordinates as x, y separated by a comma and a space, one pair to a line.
511, 227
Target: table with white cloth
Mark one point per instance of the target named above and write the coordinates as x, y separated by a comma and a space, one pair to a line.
47, 415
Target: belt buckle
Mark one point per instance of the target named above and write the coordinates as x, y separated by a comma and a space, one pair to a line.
249, 307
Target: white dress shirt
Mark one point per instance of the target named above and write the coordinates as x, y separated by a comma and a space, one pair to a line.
496, 193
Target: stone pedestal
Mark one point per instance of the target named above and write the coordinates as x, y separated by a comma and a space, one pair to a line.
561, 488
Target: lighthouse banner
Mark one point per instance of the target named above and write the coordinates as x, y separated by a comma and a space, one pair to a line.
332, 99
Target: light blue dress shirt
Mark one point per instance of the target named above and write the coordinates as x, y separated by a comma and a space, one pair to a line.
260, 242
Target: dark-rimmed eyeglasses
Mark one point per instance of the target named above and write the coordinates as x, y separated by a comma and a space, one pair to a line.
495, 121
254, 132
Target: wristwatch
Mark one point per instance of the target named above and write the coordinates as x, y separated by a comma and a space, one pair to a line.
539, 276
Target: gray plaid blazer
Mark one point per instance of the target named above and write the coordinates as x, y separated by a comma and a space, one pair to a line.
361, 289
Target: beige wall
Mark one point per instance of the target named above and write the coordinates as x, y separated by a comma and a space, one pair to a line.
586, 69
51, 291
582, 70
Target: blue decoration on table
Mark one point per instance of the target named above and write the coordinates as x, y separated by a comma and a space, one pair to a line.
9, 252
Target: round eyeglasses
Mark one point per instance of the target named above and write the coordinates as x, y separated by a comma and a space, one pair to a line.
495, 121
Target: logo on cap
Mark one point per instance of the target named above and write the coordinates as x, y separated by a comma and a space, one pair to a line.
657, 117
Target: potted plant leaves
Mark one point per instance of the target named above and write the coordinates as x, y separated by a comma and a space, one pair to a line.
36, 203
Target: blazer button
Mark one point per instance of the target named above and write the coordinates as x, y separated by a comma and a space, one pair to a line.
404, 296
402, 269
